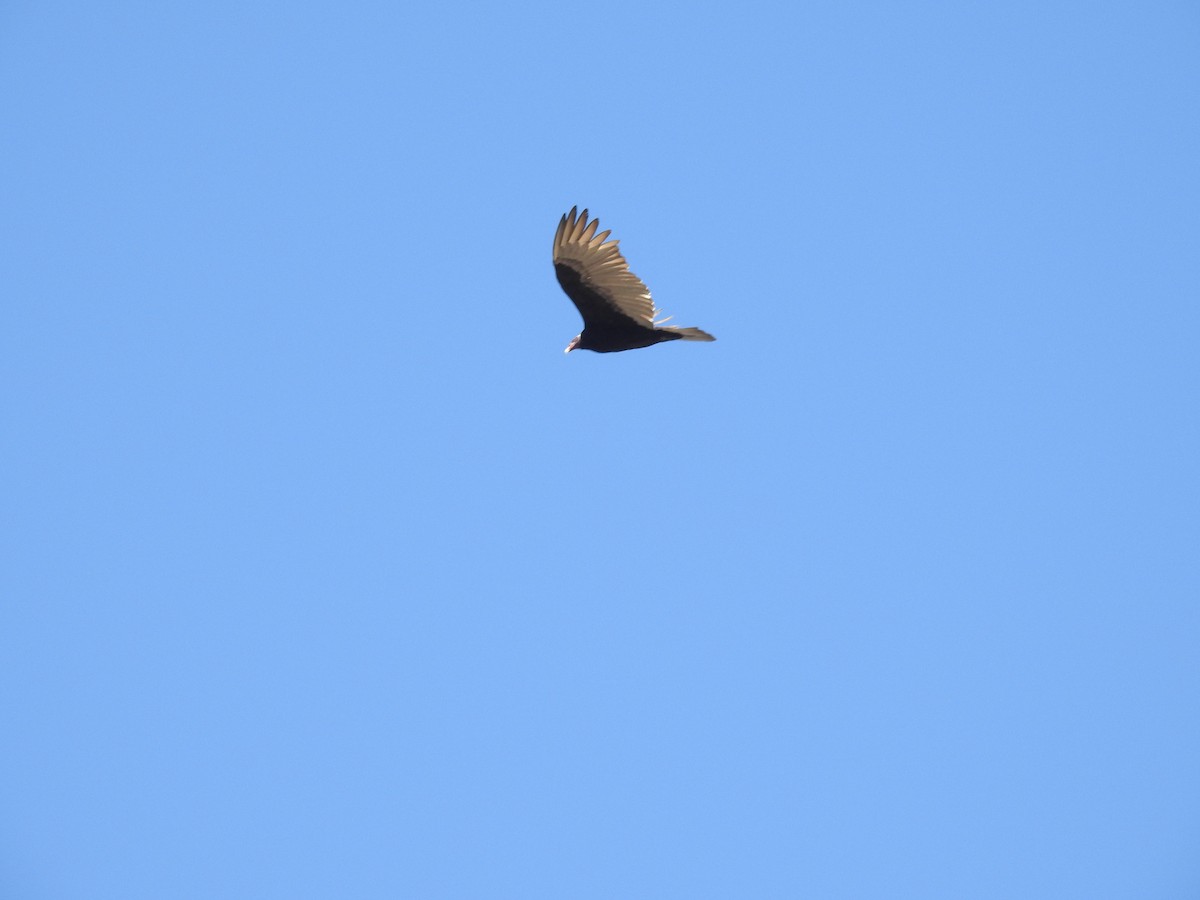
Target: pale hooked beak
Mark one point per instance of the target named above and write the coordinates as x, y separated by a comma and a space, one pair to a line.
574, 343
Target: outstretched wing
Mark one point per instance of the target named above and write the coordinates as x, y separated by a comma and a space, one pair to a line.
596, 277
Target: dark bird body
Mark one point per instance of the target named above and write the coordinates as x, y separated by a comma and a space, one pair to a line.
617, 311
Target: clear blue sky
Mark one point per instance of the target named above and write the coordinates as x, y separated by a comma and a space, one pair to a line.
326, 574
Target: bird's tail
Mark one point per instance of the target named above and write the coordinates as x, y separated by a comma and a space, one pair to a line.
689, 334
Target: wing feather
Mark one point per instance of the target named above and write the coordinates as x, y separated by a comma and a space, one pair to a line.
596, 276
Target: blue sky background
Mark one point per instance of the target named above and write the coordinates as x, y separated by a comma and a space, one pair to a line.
326, 574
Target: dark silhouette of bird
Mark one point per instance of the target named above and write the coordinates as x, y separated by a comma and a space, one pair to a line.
617, 311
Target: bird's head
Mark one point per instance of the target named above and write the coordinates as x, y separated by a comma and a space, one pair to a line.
574, 343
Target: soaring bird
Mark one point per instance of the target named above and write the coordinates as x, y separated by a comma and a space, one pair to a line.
617, 311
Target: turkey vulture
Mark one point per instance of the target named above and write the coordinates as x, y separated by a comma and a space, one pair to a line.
616, 307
